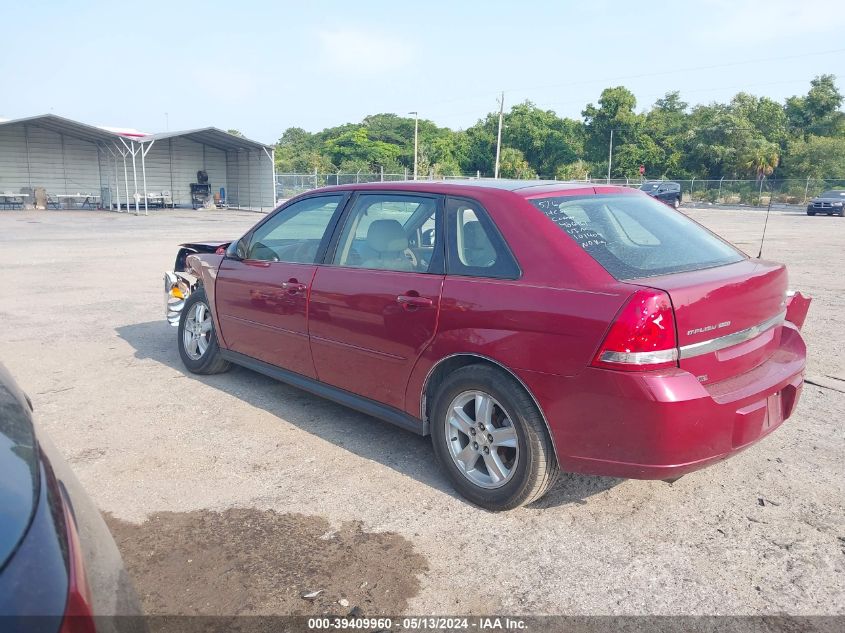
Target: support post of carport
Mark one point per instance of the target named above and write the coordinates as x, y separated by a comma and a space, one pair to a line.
144, 171
132, 150
125, 176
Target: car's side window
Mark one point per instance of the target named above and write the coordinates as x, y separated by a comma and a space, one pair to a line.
294, 233
390, 232
474, 246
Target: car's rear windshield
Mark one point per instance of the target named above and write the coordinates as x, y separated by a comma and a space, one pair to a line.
634, 236
834, 193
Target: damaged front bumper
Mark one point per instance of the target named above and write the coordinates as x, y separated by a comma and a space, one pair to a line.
177, 288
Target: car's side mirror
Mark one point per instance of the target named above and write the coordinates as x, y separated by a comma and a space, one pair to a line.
427, 238
237, 250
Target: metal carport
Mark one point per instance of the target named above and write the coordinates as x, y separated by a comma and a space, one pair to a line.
49, 151
170, 161
67, 157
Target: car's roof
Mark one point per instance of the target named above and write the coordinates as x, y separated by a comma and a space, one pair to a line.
522, 187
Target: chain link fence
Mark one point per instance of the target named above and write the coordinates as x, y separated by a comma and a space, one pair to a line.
755, 193
289, 185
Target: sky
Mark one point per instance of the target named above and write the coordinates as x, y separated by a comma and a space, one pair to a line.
262, 66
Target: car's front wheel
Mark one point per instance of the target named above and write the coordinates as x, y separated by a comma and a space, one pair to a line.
491, 439
197, 339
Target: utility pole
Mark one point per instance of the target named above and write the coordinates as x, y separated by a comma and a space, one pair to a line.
416, 139
499, 137
610, 157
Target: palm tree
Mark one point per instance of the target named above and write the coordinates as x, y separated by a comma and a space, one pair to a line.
761, 158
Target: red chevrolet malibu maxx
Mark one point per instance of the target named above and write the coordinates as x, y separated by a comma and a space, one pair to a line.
528, 327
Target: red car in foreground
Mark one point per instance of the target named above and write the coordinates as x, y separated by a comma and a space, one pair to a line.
528, 327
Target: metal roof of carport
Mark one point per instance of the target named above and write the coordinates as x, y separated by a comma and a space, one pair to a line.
211, 136
62, 125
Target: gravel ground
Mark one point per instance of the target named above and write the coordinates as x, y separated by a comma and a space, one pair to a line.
218, 469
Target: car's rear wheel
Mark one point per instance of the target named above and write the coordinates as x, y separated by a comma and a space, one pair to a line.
676, 203
491, 439
197, 339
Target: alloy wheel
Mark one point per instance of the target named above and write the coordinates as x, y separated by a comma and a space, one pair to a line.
196, 335
482, 439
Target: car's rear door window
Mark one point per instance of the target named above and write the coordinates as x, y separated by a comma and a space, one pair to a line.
634, 236
398, 232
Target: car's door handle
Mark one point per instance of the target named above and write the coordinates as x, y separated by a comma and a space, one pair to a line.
293, 286
414, 301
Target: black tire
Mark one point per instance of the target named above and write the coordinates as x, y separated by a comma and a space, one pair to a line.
811, 213
676, 203
536, 469
211, 361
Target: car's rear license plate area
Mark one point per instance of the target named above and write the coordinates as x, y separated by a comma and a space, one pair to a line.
758, 419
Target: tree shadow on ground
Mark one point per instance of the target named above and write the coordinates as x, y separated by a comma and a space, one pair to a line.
358, 433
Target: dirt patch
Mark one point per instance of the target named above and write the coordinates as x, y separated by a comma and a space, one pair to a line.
252, 562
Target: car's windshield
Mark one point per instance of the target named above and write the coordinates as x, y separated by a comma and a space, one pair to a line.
649, 186
636, 236
834, 193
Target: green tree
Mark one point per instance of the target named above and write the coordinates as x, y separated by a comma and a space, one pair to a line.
816, 157
665, 126
356, 146
818, 112
578, 170
760, 158
545, 140
614, 112
512, 164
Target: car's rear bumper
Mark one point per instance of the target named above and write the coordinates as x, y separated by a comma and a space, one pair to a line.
661, 425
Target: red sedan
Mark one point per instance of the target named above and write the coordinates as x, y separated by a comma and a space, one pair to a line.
528, 327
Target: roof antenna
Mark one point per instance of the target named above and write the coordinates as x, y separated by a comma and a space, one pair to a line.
765, 224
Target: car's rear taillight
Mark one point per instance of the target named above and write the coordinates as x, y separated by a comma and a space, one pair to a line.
79, 613
642, 336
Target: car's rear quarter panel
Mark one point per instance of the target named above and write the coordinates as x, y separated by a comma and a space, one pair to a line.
549, 322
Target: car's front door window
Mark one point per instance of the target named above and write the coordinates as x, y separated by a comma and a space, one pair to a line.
294, 234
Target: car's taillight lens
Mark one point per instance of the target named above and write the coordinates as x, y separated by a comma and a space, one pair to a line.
642, 336
79, 613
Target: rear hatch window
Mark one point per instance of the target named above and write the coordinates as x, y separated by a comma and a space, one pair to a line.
634, 236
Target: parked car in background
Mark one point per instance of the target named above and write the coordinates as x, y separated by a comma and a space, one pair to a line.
664, 190
59, 566
830, 203
527, 326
